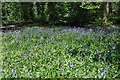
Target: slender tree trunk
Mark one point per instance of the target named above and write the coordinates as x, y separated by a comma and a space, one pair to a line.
105, 14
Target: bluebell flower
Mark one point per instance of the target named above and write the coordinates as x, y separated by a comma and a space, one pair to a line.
112, 43
100, 55
70, 65
41, 38
83, 32
113, 47
100, 31
9, 32
14, 73
0, 70
70, 53
90, 29
104, 73
62, 68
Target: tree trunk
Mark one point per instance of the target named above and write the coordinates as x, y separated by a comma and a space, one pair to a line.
105, 14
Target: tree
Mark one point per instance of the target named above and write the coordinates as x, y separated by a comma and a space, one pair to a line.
105, 14
53, 14
41, 15
27, 11
65, 13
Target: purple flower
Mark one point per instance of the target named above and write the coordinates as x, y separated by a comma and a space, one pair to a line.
113, 47
83, 32
14, 73
100, 55
112, 43
62, 68
41, 38
104, 73
70, 65
90, 29
0, 70
70, 53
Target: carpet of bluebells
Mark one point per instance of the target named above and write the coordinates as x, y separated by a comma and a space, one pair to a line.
59, 52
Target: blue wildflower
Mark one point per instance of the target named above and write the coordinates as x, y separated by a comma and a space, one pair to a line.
63, 68
83, 32
112, 43
104, 73
41, 38
113, 47
90, 29
70, 64
70, 53
14, 73
0, 70
100, 55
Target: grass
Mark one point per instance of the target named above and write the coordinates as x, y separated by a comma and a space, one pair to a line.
61, 53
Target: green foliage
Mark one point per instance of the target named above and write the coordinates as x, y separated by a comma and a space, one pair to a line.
89, 5
65, 13
61, 53
114, 16
11, 13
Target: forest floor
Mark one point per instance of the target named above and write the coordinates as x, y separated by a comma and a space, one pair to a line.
60, 52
